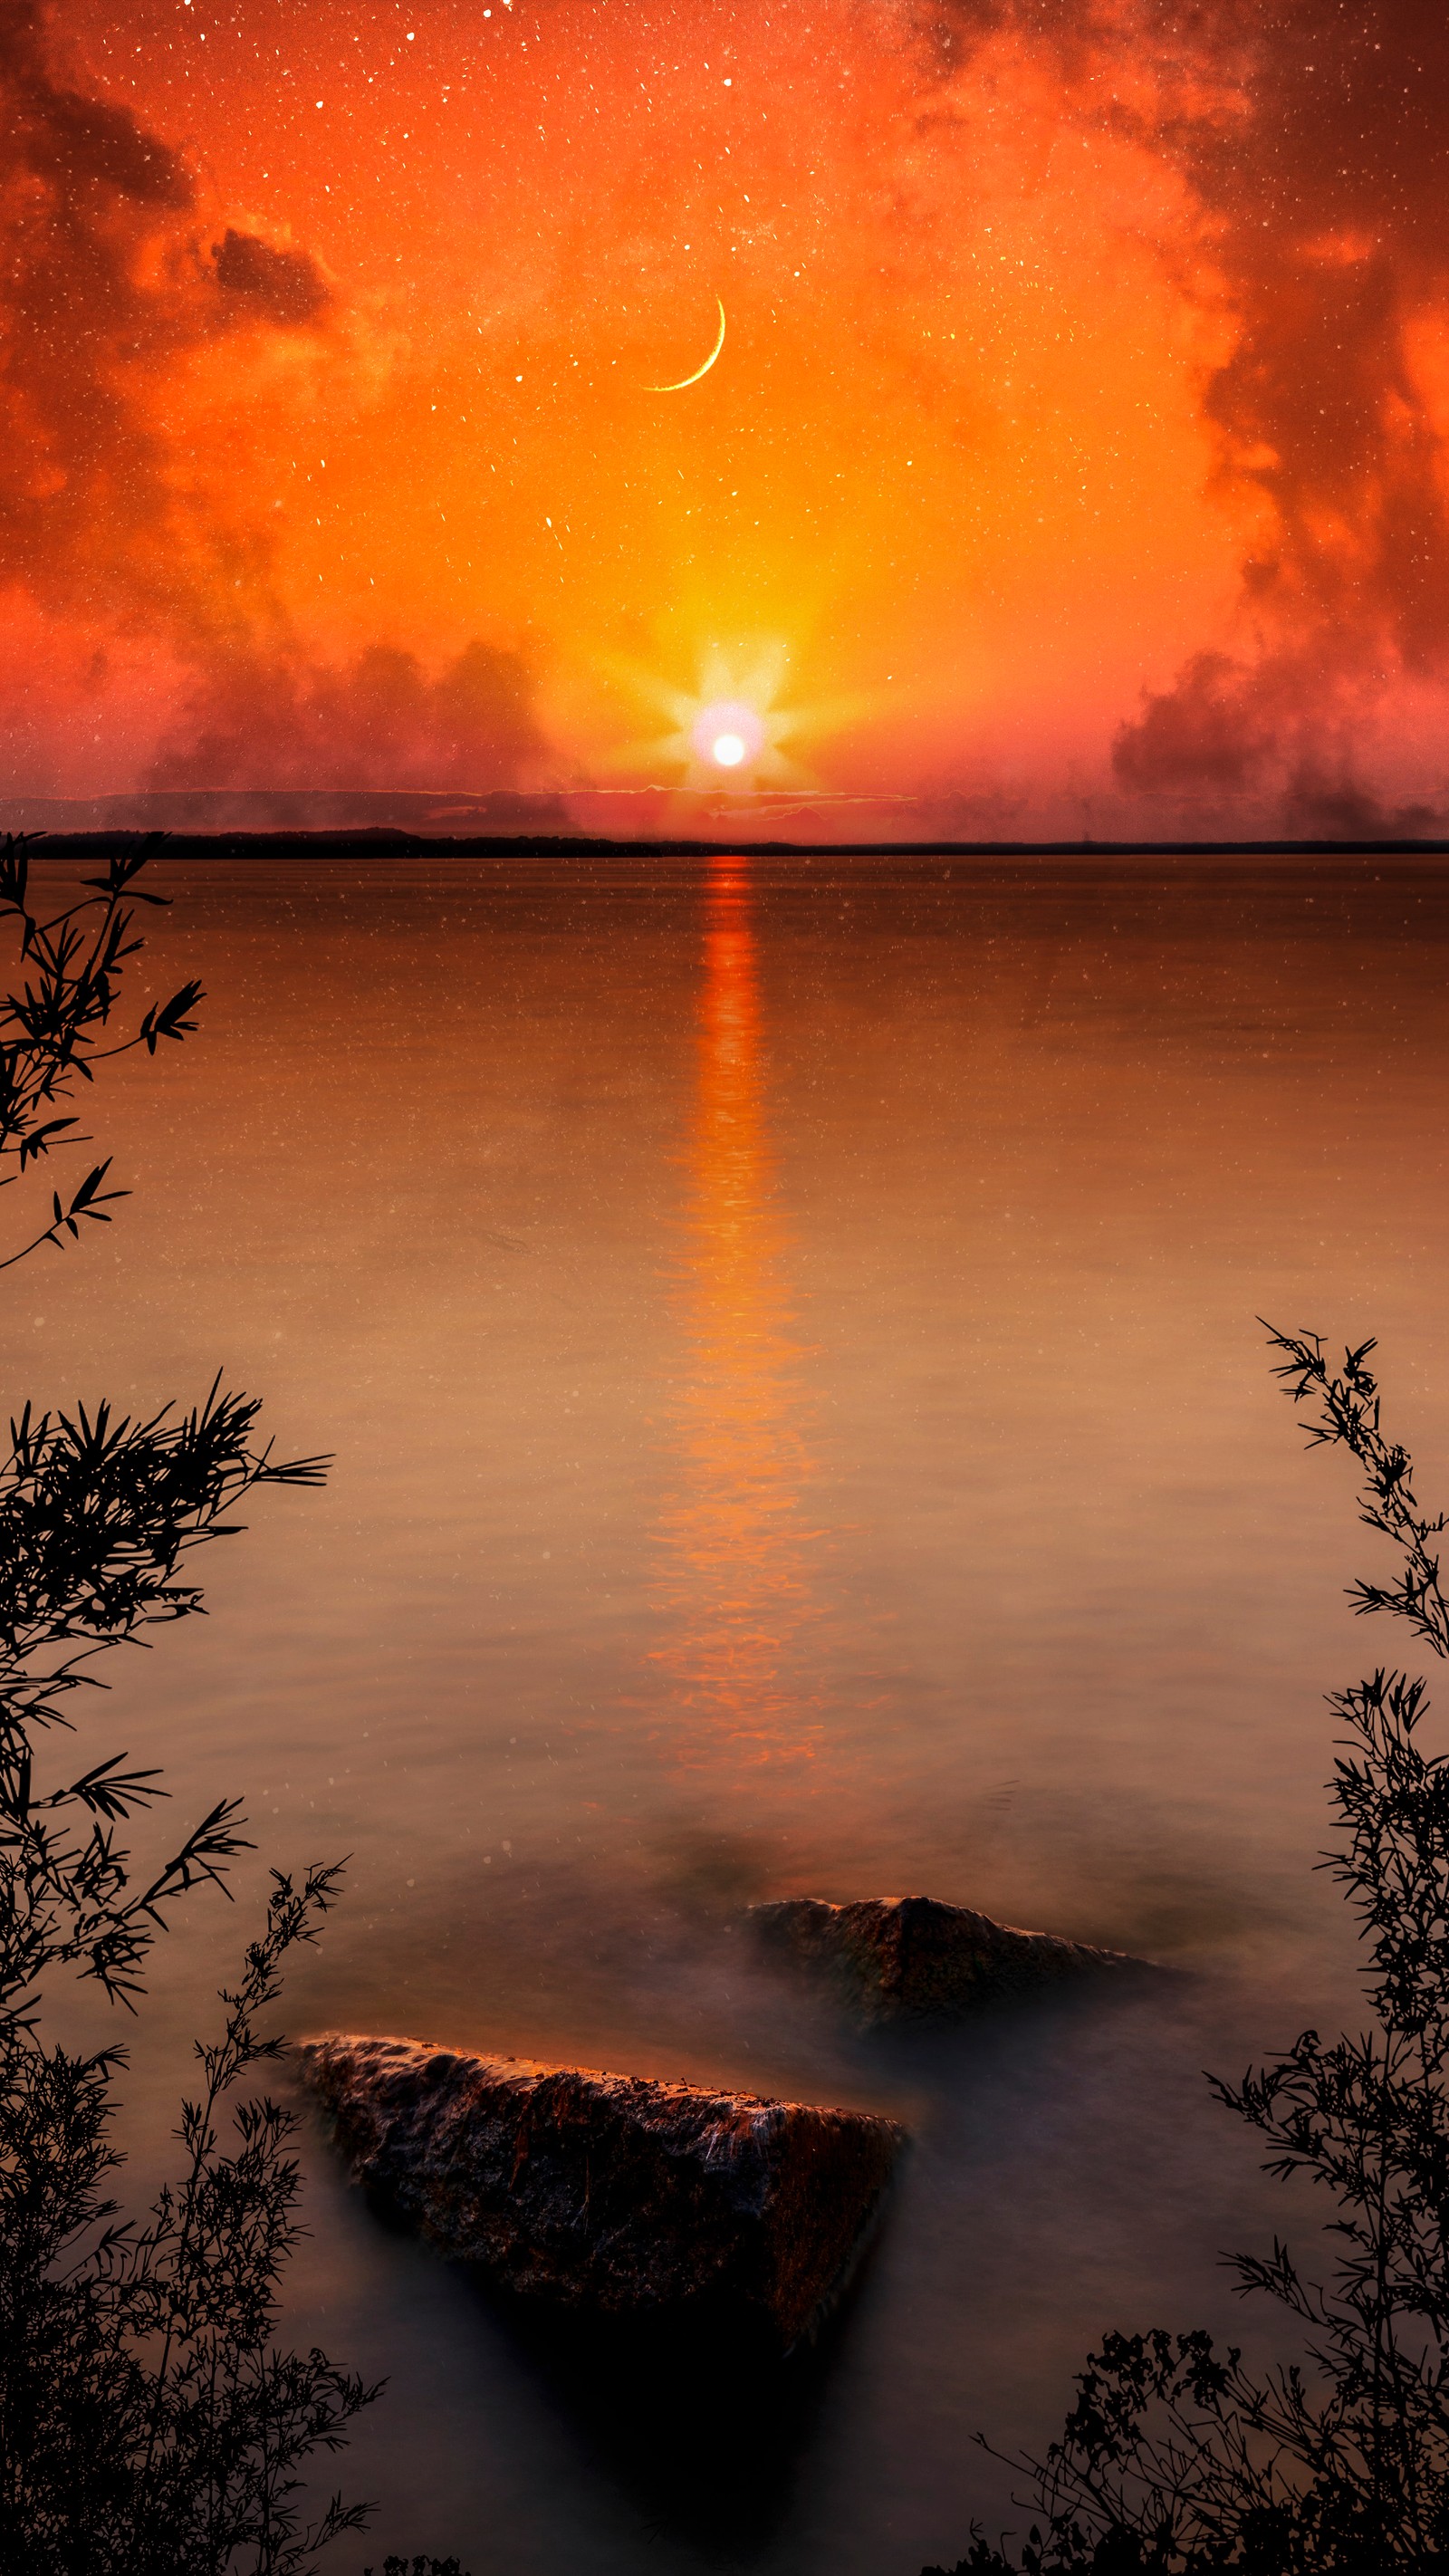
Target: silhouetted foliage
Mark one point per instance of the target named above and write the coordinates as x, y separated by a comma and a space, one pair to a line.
149, 2425
97, 1518
50, 1029
149, 2422
1176, 2457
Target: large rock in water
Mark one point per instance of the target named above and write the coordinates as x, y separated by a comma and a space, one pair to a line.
612, 2194
903, 1958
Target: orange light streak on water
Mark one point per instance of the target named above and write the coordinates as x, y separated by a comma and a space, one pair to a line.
737, 1590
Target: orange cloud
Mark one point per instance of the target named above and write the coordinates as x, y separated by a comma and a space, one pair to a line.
380, 722
106, 284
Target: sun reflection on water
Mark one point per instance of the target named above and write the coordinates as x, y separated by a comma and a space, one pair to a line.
737, 1589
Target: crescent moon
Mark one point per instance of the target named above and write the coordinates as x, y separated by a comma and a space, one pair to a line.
699, 371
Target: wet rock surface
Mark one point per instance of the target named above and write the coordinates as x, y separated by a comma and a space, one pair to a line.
612, 2196
910, 1958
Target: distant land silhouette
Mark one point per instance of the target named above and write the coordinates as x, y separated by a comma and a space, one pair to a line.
268, 821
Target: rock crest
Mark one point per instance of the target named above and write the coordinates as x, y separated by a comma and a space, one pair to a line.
904, 1958
611, 2195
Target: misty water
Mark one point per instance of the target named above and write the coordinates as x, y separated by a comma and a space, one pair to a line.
787, 1335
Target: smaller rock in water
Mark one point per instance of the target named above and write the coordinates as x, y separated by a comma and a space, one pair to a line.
613, 2196
904, 1958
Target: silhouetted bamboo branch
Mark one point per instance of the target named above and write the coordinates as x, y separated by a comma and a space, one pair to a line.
149, 2423
50, 1028
1176, 2459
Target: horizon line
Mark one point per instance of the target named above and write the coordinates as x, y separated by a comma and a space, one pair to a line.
396, 841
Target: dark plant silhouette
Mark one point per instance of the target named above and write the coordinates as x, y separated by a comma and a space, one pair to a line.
98, 1520
149, 2422
51, 1028
1176, 2457
149, 2425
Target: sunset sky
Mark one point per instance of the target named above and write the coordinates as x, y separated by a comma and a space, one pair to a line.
1076, 458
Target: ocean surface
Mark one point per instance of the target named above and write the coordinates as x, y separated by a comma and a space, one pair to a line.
787, 1336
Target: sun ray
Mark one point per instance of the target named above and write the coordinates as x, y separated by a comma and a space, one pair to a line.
729, 732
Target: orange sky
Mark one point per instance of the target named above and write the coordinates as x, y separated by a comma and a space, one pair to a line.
1069, 357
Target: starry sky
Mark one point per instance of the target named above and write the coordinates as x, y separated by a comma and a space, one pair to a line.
1075, 458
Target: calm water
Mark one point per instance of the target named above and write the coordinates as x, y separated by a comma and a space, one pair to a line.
787, 1336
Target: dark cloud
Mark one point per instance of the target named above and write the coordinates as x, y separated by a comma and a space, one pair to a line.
1204, 733
1329, 187
1315, 139
104, 282
279, 285
1319, 807
85, 148
109, 279
379, 722
1267, 746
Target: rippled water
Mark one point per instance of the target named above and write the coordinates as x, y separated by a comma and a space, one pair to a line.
786, 1332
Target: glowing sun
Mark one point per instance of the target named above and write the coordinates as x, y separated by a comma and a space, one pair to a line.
728, 732
732, 725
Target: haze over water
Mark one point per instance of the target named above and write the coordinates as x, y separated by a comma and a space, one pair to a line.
786, 1329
